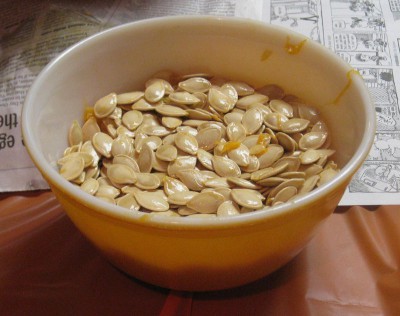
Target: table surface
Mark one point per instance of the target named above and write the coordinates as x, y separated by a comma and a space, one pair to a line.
351, 267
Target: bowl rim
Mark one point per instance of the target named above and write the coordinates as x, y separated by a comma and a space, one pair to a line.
118, 213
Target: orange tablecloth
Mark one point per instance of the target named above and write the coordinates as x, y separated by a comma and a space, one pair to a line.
351, 267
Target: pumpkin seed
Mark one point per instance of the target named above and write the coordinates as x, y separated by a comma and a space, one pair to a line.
155, 201
195, 84
206, 202
212, 147
228, 208
105, 105
72, 167
247, 198
129, 97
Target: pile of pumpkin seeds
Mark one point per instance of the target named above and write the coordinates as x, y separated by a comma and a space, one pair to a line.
198, 145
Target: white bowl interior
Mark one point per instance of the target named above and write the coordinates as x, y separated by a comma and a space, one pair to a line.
121, 59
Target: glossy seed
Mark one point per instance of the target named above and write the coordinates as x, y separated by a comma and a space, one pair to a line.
146, 158
206, 202
89, 128
326, 176
231, 92
220, 182
75, 135
292, 174
272, 154
90, 186
170, 110
132, 119
281, 107
294, 125
309, 184
185, 211
295, 182
155, 130
181, 163
121, 174
195, 84
233, 117
87, 158
142, 105
205, 158
129, 97
122, 145
155, 201
271, 181
192, 178
171, 122
105, 105
154, 142
242, 88
252, 120
102, 142
160, 165
285, 194
243, 183
147, 181
167, 152
240, 155
287, 142
312, 140
208, 138
236, 131
167, 85
155, 91
184, 98
128, 201
228, 208
181, 197
292, 163
107, 190
220, 101
314, 169
186, 143
126, 160
275, 121
247, 198
254, 164
199, 114
309, 113
226, 167
309, 156
72, 168
244, 102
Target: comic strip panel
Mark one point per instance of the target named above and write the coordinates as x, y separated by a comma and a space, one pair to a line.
359, 33
395, 8
363, 49
376, 178
356, 8
358, 24
302, 16
386, 148
381, 85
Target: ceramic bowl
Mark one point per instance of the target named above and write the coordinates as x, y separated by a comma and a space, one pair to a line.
183, 253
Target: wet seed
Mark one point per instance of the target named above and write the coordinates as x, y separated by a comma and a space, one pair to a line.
199, 146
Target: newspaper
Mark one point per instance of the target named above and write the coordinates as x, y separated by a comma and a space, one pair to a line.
365, 33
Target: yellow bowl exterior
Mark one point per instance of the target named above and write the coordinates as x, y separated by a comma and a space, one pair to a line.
200, 259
